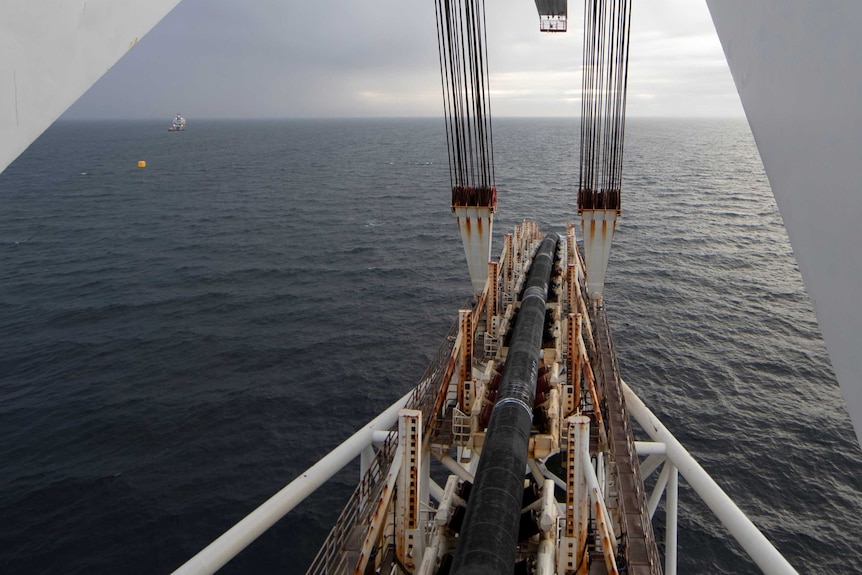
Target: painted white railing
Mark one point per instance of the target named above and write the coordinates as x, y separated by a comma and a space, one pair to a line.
740, 527
215, 555
665, 446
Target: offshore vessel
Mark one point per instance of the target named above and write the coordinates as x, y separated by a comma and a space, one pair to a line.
178, 124
498, 300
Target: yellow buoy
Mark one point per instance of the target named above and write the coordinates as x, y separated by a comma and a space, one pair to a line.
142, 164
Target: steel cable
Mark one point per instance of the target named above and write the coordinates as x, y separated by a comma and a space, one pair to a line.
461, 43
607, 26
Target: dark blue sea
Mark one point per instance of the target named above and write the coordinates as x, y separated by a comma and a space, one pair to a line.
179, 342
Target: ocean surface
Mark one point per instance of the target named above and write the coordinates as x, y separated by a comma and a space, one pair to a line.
179, 342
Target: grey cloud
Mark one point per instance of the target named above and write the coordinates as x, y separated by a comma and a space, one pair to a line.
270, 58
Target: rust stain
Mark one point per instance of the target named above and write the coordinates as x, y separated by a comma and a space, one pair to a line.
362, 560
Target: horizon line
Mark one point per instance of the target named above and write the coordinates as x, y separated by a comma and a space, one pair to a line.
415, 117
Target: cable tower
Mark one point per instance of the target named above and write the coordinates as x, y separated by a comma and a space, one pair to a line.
461, 41
603, 111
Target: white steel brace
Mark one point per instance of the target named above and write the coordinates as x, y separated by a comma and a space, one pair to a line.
740, 527
215, 555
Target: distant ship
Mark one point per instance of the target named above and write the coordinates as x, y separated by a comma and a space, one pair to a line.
178, 125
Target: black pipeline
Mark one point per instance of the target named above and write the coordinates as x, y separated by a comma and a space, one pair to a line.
489, 535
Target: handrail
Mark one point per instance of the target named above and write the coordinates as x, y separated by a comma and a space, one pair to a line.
758, 547
360, 509
423, 397
215, 555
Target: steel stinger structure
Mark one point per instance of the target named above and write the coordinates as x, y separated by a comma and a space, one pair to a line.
515, 453
426, 503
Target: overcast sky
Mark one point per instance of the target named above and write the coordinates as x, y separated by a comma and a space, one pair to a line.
351, 58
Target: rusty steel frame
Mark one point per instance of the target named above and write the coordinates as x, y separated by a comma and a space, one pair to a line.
492, 303
409, 496
465, 354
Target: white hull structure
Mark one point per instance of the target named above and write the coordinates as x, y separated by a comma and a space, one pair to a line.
40, 77
796, 67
